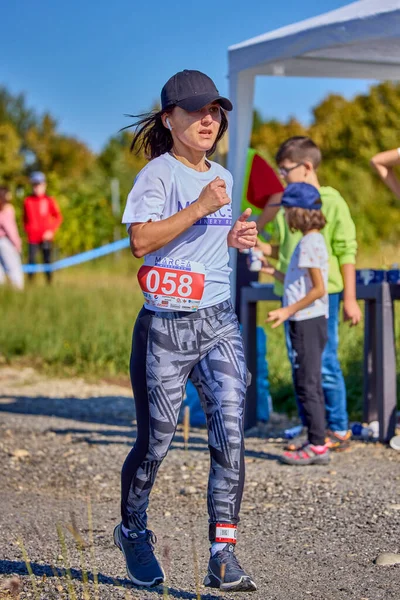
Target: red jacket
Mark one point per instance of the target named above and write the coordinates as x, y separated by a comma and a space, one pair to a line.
41, 214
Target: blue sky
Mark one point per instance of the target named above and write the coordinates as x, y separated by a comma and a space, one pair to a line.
90, 62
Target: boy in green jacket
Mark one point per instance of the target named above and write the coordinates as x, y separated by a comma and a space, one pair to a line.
298, 159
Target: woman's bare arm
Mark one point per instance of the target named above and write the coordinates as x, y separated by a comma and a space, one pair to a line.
153, 235
383, 164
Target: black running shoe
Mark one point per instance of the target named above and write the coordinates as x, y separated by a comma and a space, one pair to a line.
138, 549
225, 573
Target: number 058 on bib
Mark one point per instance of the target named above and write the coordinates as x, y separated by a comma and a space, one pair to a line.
173, 287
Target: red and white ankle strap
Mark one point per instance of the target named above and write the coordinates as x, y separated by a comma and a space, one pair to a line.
225, 533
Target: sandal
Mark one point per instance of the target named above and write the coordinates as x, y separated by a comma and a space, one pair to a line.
336, 442
307, 455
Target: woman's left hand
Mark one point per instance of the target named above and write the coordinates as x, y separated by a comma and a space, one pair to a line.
243, 234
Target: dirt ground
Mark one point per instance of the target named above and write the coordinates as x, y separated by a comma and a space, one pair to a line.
306, 533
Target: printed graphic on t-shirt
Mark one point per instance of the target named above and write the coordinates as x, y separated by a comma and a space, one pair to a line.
223, 217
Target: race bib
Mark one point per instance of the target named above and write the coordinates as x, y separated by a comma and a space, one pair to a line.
172, 283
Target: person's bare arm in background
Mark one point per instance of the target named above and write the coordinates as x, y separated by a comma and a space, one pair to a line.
351, 310
269, 212
383, 164
269, 250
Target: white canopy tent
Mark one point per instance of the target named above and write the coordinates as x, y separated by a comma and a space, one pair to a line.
359, 41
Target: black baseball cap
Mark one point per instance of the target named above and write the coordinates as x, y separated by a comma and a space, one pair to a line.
191, 90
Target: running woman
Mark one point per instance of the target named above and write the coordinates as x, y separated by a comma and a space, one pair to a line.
179, 218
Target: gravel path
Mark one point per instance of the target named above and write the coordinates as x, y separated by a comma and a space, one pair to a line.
310, 533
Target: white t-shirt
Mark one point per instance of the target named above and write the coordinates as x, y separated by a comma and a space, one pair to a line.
310, 252
164, 187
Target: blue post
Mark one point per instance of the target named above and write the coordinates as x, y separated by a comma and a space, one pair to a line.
264, 400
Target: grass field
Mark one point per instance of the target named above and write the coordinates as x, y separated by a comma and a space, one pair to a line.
82, 324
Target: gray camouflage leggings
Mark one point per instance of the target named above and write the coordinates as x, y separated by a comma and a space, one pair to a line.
167, 348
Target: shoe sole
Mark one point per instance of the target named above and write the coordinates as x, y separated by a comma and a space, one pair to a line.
156, 581
340, 448
305, 463
244, 584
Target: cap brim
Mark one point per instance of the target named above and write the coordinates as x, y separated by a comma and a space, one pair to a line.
315, 206
197, 102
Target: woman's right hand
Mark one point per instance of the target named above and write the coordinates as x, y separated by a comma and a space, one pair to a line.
213, 196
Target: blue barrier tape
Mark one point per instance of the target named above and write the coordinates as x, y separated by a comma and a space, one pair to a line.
78, 258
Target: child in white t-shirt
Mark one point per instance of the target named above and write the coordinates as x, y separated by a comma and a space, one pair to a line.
305, 306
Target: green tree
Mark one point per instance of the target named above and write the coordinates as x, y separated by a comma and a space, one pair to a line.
117, 161
13, 110
11, 161
64, 155
268, 136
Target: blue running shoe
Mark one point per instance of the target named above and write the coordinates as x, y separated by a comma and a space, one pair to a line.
225, 573
138, 549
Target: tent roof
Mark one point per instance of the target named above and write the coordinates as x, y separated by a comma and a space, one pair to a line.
360, 40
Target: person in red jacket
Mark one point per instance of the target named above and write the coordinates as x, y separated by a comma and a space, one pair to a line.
42, 218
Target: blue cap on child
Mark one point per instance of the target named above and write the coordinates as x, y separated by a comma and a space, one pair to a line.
300, 195
37, 177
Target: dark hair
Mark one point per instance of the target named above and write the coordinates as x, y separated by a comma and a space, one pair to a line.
155, 139
4, 190
299, 148
304, 220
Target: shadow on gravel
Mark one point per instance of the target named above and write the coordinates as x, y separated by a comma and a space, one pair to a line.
103, 410
8, 567
118, 433
196, 444
263, 455
95, 437
112, 410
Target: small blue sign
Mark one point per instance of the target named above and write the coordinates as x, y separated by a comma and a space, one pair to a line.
366, 276
393, 276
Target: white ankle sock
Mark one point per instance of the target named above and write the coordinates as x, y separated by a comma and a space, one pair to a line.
341, 433
216, 547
